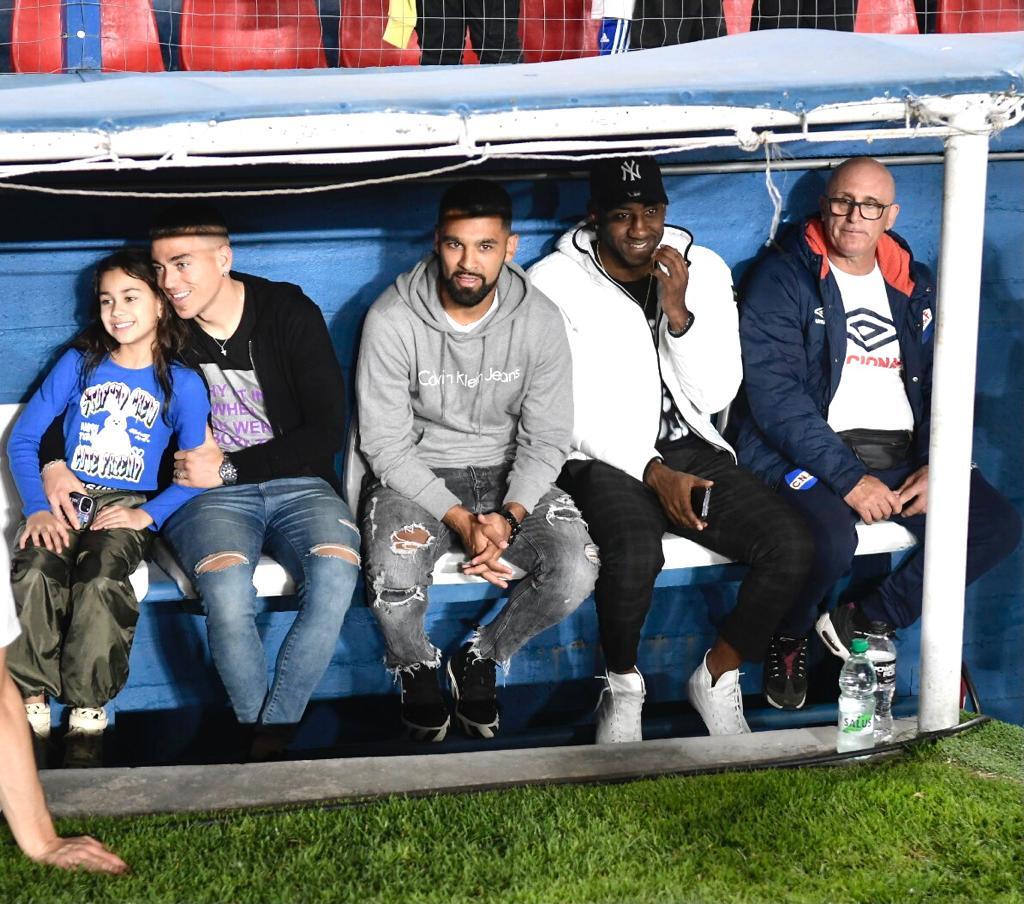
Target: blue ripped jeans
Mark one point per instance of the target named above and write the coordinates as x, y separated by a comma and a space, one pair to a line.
553, 548
308, 529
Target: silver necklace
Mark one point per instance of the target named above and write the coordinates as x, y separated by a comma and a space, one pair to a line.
650, 278
222, 344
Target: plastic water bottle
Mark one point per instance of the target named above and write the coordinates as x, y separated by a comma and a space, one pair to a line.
882, 654
856, 701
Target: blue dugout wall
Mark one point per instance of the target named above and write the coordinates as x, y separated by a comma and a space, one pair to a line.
344, 248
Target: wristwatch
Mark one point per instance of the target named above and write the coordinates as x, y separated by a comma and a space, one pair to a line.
228, 472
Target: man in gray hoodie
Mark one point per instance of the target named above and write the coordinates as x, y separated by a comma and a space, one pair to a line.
465, 385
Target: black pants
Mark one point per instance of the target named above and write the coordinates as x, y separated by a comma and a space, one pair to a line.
659, 23
493, 29
747, 522
993, 532
834, 15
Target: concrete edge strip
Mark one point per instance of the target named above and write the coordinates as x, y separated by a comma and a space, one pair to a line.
203, 789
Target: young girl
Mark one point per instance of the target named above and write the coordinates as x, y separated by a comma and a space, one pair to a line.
122, 398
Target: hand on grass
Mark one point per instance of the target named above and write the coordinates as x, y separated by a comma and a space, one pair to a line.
81, 852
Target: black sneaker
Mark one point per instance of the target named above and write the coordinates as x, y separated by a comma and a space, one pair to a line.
785, 672
269, 743
838, 628
424, 711
471, 679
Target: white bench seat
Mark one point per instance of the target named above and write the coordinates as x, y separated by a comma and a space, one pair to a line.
270, 578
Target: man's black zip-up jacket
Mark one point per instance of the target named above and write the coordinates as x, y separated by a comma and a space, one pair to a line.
302, 383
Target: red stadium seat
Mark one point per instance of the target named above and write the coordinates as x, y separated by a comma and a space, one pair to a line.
737, 16
129, 36
886, 17
557, 30
36, 43
961, 16
127, 29
361, 36
550, 30
229, 35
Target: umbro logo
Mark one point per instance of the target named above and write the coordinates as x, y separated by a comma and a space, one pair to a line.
869, 330
819, 316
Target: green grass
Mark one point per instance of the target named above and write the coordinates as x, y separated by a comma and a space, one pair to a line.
943, 823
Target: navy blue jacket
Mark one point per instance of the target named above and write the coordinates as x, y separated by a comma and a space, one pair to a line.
793, 334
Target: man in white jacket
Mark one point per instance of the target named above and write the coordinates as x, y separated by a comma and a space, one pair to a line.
653, 330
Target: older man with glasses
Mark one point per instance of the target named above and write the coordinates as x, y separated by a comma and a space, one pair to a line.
837, 335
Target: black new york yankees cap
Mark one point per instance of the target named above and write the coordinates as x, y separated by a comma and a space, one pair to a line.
623, 180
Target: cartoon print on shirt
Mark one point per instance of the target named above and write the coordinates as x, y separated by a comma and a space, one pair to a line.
105, 449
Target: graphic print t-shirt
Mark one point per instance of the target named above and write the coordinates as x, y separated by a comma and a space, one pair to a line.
114, 429
238, 412
871, 394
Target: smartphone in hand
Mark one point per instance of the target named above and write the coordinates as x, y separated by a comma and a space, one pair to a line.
85, 507
700, 500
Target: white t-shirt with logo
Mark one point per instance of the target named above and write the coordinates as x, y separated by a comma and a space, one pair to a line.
9, 627
871, 394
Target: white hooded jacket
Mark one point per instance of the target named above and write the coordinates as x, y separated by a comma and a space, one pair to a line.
618, 370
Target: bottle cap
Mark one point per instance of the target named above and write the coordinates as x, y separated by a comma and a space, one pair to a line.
859, 645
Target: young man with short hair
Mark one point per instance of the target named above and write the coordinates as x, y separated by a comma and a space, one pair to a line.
653, 328
465, 385
278, 414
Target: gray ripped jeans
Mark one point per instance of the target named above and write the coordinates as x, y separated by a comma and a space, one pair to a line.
553, 548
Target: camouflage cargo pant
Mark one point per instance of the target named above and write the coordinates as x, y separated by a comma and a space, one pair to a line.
77, 611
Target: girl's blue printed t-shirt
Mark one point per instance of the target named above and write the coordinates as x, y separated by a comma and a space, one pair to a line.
114, 430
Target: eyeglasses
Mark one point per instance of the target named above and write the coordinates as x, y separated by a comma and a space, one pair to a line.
869, 210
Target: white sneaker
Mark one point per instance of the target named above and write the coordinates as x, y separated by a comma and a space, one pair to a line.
38, 715
83, 742
618, 710
720, 705
87, 720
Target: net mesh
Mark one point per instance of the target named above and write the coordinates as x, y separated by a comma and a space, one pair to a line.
45, 36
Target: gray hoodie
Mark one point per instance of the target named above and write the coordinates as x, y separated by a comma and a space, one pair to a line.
431, 397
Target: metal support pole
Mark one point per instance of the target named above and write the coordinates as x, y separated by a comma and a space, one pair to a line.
956, 340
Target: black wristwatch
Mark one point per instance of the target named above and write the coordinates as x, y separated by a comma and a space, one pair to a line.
513, 522
228, 472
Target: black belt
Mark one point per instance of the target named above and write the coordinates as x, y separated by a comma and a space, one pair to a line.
879, 450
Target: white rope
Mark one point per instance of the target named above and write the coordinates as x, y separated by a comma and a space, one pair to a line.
256, 193
566, 150
773, 193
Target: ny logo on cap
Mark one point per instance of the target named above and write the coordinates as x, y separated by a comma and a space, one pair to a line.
630, 170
